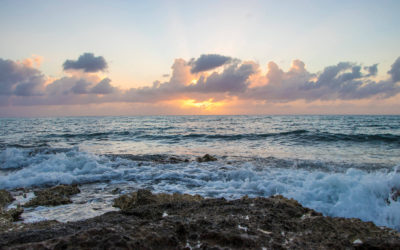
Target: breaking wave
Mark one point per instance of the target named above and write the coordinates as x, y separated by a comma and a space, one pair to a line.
353, 192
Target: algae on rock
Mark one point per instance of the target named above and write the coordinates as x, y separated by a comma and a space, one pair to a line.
206, 158
8, 216
54, 196
145, 197
5, 198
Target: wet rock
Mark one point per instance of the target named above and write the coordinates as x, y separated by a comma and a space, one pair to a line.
191, 223
145, 197
116, 191
8, 217
206, 158
5, 198
395, 193
53, 196
15, 213
158, 158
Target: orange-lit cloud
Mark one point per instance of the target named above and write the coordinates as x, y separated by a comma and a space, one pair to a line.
211, 84
33, 62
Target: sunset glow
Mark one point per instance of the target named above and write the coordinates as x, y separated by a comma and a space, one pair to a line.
205, 105
155, 58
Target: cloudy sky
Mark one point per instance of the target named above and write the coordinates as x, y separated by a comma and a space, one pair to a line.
199, 57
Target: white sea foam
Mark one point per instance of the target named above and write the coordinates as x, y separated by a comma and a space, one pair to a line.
12, 158
353, 193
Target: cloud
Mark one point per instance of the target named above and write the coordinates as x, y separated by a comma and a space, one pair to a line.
22, 84
394, 72
208, 62
103, 87
233, 79
373, 69
81, 87
19, 79
86, 62
343, 81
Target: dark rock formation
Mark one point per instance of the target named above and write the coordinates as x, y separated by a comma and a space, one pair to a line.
160, 221
145, 197
8, 216
206, 158
5, 198
157, 158
53, 196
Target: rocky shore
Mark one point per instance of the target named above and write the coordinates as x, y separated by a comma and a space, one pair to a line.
181, 221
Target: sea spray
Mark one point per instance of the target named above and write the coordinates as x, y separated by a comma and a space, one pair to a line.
353, 192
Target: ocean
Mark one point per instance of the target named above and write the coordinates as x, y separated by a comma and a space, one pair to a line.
345, 166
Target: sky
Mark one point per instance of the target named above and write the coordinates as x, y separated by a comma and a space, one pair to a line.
66, 58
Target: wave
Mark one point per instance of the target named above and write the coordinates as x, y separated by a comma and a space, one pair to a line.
299, 136
91, 135
350, 193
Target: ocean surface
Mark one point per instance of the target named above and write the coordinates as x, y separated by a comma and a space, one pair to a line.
343, 166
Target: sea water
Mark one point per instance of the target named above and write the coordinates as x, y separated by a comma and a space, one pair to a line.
343, 166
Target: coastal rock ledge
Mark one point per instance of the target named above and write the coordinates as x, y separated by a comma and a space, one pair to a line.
149, 221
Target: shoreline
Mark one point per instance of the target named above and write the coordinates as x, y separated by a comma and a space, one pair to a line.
176, 221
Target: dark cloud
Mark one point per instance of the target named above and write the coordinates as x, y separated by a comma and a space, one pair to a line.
81, 87
344, 81
395, 70
233, 79
66, 86
208, 62
22, 84
86, 62
33, 87
103, 87
19, 79
373, 69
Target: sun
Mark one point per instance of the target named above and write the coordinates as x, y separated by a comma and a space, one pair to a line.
206, 105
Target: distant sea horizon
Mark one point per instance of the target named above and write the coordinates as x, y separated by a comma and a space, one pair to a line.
127, 115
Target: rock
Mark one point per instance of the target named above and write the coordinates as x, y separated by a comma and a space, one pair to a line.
206, 158
197, 223
12, 214
116, 191
158, 158
145, 197
53, 196
395, 193
5, 198
15, 213
8, 217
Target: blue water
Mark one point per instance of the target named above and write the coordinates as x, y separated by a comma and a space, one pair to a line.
339, 165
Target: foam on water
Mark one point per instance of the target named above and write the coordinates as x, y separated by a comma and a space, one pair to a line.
93, 200
351, 193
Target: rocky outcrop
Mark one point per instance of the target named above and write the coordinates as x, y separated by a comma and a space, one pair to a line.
206, 158
155, 221
7, 217
145, 197
5, 198
53, 196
